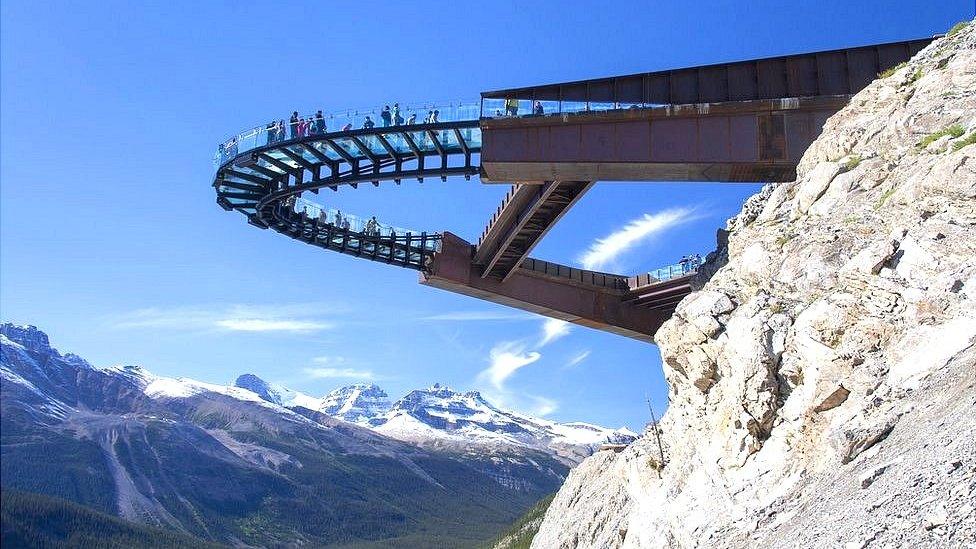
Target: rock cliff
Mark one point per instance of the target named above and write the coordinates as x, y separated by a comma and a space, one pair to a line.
823, 379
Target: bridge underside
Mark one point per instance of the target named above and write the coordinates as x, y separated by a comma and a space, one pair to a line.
525, 216
595, 300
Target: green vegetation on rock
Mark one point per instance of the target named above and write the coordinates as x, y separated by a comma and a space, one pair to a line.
970, 139
888, 72
954, 131
957, 27
520, 534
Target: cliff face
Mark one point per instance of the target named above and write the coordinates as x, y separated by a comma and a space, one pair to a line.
823, 380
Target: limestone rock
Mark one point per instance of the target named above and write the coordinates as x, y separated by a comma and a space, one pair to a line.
833, 335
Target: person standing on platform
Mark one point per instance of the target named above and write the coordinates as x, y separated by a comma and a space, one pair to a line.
397, 119
386, 117
269, 130
511, 107
293, 125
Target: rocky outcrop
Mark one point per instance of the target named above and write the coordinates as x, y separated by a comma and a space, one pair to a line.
823, 380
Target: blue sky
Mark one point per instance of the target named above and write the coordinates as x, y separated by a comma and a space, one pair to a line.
112, 242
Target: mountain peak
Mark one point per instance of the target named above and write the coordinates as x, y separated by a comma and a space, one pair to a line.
358, 403
137, 374
26, 335
258, 386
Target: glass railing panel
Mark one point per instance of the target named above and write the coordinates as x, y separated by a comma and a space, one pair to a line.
225, 189
493, 108
239, 201
600, 106
310, 125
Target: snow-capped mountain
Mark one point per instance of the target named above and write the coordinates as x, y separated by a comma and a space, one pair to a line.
442, 417
214, 460
356, 403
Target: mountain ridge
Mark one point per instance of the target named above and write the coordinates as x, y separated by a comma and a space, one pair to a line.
441, 416
225, 465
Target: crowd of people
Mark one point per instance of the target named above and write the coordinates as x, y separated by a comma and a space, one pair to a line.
300, 126
370, 228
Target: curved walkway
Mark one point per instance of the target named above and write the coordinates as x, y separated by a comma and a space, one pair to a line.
262, 174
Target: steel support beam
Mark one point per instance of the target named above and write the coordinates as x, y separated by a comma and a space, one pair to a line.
746, 141
601, 308
523, 221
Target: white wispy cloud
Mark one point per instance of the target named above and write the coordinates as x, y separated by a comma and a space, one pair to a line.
351, 373
504, 360
265, 325
604, 251
541, 406
463, 316
295, 318
577, 358
553, 329
329, 360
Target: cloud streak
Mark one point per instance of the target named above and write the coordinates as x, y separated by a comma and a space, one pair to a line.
264, 325
578, 358
605, 251
505, 359
331, 373
553, 329
508, 357
282, 318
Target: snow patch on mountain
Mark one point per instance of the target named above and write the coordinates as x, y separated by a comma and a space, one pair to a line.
159, 387
356, 403
438, 415
442, 416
